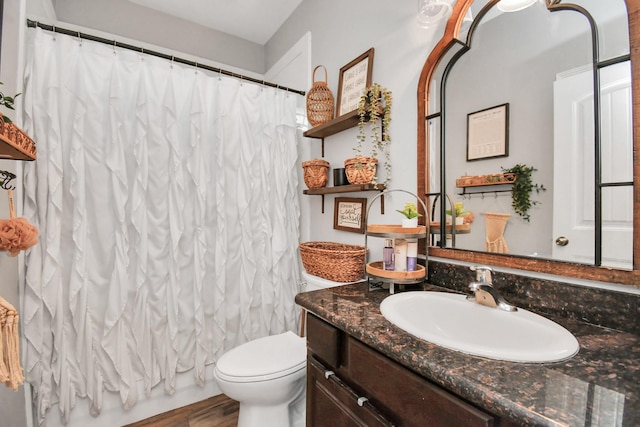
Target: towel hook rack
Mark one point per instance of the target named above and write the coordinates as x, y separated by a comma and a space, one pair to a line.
5, 180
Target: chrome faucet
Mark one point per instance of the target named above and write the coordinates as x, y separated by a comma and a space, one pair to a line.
483, 292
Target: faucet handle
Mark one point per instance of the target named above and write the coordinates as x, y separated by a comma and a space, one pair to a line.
483, 273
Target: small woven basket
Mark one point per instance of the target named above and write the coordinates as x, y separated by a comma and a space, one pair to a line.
333, 261
316, 173
319, 101
361, 170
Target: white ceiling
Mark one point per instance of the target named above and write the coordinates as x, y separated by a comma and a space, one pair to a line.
253, 20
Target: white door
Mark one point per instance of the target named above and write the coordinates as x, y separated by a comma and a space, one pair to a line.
573, 198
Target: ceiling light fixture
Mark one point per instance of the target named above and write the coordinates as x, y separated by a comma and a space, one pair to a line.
431, 12
514, 5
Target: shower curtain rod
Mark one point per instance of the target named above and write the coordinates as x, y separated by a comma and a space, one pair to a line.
115, 43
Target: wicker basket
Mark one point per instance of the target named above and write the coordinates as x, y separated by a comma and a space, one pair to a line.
319, 101
316, 173
361, 170
333, 261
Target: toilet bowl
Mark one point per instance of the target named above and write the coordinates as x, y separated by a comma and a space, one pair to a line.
268, 375
265, 375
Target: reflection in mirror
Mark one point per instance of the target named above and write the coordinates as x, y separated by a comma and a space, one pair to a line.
540, 63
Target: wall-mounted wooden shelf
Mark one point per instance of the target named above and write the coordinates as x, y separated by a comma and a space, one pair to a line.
351, 188
15, 144
346, 121
483, 180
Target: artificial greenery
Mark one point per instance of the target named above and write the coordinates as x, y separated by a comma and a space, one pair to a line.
522, 188
7, 101
410, 211
375, 106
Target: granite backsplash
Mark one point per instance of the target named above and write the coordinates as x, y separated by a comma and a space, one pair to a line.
602, 307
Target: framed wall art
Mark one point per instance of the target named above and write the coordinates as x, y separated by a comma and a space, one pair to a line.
349, 214
355, 77
488, 133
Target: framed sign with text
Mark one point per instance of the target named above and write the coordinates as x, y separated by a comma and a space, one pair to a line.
349, 214
355, 77
488, 133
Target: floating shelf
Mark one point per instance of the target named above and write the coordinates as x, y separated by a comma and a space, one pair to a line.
483, 180
16, 144
334, 126
351, 188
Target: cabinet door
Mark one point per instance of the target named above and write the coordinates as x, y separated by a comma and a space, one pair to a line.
331, 403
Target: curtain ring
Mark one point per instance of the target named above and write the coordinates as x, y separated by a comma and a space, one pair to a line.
196, 68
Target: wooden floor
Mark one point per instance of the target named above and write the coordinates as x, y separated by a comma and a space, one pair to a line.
217, 411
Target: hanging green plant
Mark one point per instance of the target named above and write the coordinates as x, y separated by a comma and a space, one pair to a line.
374, 107
522, 188
7, 101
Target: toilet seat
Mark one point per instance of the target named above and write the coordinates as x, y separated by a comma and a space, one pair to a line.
263, 359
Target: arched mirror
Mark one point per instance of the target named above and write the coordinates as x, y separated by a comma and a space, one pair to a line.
548, 88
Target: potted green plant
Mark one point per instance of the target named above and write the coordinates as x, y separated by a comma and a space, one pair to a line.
374, 107
411, 215
462, 216
522, 188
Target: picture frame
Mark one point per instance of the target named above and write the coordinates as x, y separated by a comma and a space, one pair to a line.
488, 133
354, 78
349, 214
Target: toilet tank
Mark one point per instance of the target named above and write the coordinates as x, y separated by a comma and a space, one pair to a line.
314, 283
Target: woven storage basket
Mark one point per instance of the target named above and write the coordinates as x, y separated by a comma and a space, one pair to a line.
319, 101
333, 261
316, 173
361, 170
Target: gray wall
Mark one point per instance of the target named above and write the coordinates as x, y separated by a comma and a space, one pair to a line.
341, 31
127, 19
13, 410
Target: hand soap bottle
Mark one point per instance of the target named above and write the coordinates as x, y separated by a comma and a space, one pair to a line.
400, 250
387, 255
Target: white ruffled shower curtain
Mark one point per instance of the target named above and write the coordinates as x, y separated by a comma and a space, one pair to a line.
166, 199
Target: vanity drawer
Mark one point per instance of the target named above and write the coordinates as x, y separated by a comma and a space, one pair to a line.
399, 392
332, 403
323, 341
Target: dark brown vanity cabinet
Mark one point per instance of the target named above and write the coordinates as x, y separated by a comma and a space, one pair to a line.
350, 384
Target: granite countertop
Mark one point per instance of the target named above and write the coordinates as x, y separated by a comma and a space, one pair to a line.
600, 386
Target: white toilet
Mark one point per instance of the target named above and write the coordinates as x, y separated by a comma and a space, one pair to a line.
268, 375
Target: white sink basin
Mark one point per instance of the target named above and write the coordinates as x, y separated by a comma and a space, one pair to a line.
451, 321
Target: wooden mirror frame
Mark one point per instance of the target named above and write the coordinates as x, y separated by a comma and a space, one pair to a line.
561, 268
